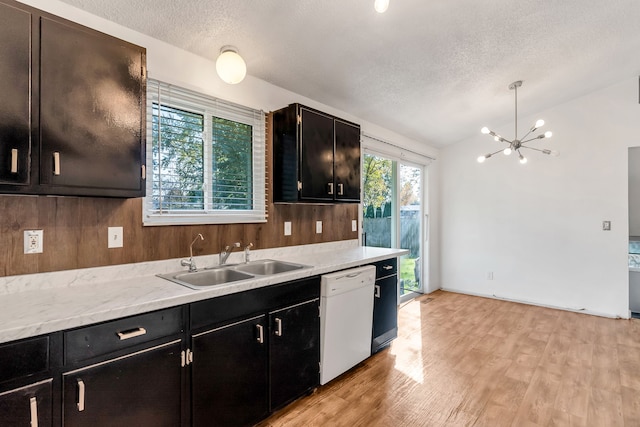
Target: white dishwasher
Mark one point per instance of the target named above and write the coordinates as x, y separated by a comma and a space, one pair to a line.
346, 320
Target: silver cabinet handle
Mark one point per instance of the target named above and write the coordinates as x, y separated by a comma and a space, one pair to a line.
80, 395
14, 160
33, 405
131, 333
278, 327
56, 163
387, 267
340, 189
260, 334
377, 294
331, 188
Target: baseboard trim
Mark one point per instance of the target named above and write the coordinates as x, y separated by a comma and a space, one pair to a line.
493, 296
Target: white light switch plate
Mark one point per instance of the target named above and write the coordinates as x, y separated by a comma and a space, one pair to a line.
115, 239
33, 241
318, 227
354, 225
287, 228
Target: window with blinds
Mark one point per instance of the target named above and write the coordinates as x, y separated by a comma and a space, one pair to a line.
205, 159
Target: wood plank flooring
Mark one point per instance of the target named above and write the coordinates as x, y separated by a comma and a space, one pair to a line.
469, 361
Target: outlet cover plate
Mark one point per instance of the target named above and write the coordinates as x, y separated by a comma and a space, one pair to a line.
354, 225
318, 227
287, 228
115, 239
33, 241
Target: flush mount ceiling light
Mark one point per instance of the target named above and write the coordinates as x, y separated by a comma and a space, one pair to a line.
230, 66
518, 144
381, 6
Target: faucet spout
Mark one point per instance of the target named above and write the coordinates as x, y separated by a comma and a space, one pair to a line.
191, 262
227, 251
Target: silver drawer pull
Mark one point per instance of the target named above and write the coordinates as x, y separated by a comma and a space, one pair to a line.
33, 405
80, 395
260, 334
14, 160
340, 190
278, 327
377, 294
387, 267
331, 188
131, 333
56, 163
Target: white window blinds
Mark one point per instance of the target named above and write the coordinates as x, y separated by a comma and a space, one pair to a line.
205, 159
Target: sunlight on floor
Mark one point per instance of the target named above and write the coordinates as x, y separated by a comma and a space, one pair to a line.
407, 349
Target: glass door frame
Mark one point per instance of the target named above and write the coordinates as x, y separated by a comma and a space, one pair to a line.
395, 204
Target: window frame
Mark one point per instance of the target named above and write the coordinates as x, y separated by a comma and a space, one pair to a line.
161, 93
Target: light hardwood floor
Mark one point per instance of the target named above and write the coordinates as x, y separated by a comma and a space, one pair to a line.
461, 360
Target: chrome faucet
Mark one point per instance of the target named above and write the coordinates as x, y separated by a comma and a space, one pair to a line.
191, 262
247, 254
227, 251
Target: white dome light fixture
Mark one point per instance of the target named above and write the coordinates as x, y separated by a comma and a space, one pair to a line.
518, 144
381, 6
230, 66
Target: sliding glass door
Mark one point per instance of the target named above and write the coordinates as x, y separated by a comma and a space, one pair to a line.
392, 211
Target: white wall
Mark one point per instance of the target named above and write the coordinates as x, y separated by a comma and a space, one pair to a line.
538, 227
172, 65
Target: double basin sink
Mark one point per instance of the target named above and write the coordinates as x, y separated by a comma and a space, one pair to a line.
228, 273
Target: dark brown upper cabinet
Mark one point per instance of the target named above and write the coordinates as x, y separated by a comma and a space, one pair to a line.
15, 120
74, 120
316, 157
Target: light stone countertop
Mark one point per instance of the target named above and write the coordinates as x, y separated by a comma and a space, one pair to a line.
35, 304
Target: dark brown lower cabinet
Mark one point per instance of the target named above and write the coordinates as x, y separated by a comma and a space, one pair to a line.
27, 406
138, 389
294, 347
229, 374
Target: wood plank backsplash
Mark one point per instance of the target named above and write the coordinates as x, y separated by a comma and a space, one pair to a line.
75, 231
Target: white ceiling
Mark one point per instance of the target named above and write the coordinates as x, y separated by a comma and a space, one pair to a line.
433, 70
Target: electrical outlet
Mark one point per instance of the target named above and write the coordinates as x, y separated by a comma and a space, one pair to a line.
354, 225
33, 241
287, 228
318, 227
490, 275
115, 239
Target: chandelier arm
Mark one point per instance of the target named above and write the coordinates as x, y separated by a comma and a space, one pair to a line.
526, 135
532, 139
499, 151
531, 148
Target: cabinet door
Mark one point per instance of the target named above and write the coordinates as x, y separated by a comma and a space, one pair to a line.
27, 406
229, 374
347, 162
385, 312
316, 163
15, 69
141, 389
91, 99
294, 352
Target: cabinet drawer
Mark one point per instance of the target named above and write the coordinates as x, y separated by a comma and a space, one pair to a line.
386, 267
26, 357
225, 308
93, 341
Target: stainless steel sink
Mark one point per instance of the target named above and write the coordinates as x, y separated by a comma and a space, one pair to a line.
205, 278
224, 274
266, 267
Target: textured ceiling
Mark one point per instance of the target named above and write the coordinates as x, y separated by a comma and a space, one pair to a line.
435, 71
